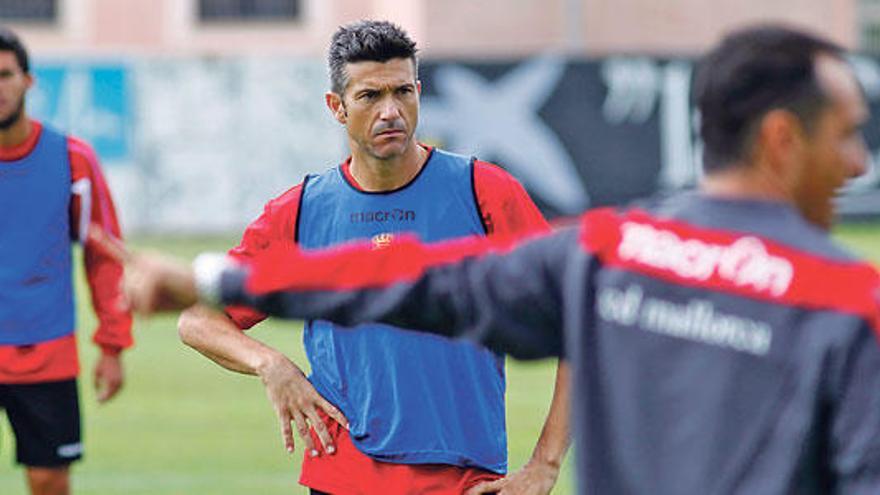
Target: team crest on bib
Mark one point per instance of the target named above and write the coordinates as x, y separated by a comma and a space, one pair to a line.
383, 240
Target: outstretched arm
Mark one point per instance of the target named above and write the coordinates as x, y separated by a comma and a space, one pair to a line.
511, 300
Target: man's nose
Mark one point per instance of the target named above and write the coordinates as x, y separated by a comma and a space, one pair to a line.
389, 110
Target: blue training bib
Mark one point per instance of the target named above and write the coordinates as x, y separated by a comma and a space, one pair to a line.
36, 291
410, 398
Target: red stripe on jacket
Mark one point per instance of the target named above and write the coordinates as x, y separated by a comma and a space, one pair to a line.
740, 264
679, 253
503, 203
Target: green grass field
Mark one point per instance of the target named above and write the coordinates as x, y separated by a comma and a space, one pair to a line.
183, 425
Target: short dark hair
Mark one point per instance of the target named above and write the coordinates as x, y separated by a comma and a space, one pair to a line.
10, 42
361, 41
751, 72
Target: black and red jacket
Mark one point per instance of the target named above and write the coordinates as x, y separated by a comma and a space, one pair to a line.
717, 346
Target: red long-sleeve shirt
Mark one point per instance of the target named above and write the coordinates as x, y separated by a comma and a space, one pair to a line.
504, 206
90, 202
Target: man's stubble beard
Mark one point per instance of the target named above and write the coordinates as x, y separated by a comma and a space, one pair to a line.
14, 117
371, 150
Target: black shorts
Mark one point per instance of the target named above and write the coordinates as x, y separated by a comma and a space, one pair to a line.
45, 420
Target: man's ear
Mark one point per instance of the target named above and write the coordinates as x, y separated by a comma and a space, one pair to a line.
780, 134
337, 107
779, 126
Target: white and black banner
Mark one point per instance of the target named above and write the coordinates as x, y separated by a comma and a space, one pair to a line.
583, 133
199, 145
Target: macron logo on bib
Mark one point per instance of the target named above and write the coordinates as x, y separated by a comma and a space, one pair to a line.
382, 216
744, 262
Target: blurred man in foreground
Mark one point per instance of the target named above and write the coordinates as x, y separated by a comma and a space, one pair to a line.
720, 342
51, 189
388, 409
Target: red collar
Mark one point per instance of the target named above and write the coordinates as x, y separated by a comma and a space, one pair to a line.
19, 151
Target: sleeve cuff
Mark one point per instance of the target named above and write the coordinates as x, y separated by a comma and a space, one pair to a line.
208, 270
111, 350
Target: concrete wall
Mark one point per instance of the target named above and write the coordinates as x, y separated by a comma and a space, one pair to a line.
688, 26
448, 28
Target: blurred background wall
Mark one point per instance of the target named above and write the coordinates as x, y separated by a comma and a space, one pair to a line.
459, 28
201, 110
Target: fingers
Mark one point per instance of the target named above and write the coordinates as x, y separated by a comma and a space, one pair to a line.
321, 430
109, 389
122, 301
296, 400
137, 291
108, 377
149, 294
302, 428
103, 394
148, 287
108, 243
487, 487
97, 378
153, 282
333, 412
286, 432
